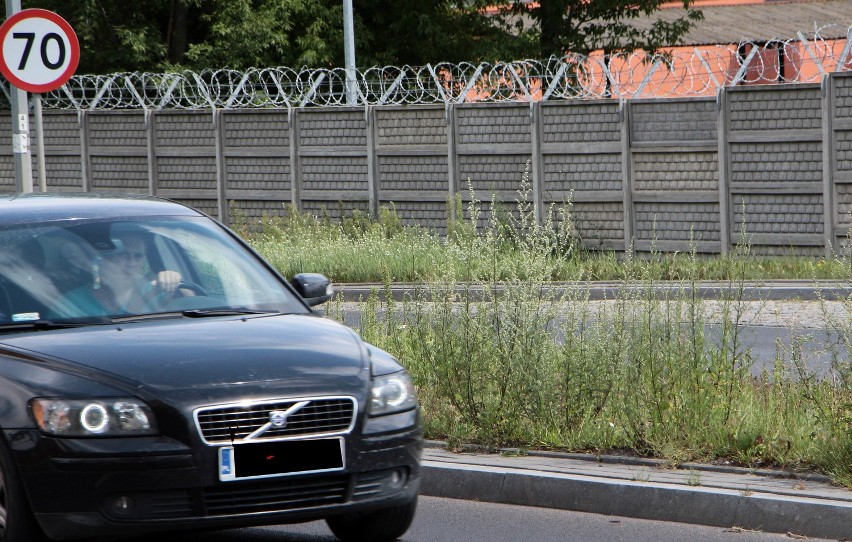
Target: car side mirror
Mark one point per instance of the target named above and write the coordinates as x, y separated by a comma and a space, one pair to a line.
314, 288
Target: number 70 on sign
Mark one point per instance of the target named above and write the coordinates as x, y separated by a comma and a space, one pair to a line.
40, 50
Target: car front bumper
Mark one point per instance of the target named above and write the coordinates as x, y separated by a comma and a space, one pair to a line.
81, 488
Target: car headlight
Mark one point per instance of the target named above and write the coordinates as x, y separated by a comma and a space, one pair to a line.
93, 417
392, 393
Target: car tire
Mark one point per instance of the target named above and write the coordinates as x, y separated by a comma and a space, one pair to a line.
378, 526
17, 523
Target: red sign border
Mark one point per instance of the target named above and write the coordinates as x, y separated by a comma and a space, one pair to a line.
33, 13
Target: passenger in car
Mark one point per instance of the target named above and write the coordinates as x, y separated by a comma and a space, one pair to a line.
121, 283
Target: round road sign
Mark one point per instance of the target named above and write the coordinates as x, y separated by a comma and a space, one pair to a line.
40, 50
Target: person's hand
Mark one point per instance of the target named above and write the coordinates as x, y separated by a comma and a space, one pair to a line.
166, 281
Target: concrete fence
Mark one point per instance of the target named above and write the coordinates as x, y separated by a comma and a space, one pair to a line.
775, 161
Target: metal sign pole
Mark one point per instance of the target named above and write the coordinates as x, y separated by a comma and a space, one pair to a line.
20, 126
349, 53
39, 120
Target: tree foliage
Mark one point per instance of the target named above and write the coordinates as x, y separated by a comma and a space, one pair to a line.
582, 26
158, 35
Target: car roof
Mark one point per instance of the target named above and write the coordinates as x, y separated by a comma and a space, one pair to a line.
47, 207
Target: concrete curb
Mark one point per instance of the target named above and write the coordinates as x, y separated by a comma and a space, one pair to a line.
771, 505
750, 291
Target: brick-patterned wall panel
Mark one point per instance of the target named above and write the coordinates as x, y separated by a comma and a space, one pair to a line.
581, 123
256, 130
778, 214
177, 131
254, 210
675, 171
843, 242
844, 205
411, 126
776, 162
126, 174
330, 128
506, 214
62, 172
431, 215
207, 206
843, 96
598, 223
334, 210
7, 174
60, 130
494, 125
125, 130
417, 174
786, 251
6, 132
582, 172
677, 221
334, 174
673, 121
257, 173
492, 173
187, 173
778, 108
843, 150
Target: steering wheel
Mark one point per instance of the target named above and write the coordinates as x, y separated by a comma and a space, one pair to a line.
191, 286
164, 299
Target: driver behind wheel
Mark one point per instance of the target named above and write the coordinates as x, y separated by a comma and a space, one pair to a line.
122, 282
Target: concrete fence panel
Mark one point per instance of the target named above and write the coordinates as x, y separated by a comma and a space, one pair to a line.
768, 163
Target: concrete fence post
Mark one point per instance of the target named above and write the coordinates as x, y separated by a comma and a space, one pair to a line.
828, 204
537, 162
452, 161
373, 181
295, 162
627, 176
724, 168
151, 149
221, 169
85, 159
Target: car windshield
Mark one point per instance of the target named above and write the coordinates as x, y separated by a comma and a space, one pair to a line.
95, 271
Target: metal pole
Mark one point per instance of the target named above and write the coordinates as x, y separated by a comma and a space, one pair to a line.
349, 53
39, 120
20, 126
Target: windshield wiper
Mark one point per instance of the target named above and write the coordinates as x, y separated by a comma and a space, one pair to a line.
209, 313
189, 313
43, 325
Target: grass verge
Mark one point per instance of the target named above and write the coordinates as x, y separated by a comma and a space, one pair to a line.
521, 366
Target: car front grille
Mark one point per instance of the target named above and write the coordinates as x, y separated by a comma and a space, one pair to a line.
249, 422
280, 495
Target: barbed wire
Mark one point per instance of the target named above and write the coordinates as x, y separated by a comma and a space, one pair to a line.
680, 72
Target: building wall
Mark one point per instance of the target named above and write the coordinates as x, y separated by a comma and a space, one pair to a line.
773, 163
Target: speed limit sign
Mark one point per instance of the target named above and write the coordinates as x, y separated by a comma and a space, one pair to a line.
40, 50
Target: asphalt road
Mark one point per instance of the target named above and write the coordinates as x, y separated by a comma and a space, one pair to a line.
451, 520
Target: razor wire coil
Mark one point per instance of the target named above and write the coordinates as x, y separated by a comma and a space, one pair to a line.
682, 72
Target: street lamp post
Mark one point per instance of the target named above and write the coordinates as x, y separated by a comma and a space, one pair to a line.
349, 53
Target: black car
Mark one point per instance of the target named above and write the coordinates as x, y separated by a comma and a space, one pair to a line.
157, 374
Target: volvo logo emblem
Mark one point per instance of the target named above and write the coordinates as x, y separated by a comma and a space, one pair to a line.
278, 418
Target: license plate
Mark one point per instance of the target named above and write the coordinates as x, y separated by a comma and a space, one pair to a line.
267, 459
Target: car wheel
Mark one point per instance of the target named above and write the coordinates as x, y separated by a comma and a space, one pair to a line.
378, 526
17, 523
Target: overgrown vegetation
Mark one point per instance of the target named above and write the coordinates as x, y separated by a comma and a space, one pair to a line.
499, 359
357, 249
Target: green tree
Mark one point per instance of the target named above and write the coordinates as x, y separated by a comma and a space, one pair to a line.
156, 35
582, 26
159, 35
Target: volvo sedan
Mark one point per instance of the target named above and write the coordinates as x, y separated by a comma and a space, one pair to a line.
157, 374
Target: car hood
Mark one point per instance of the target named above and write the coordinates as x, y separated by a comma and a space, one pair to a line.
260, 355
